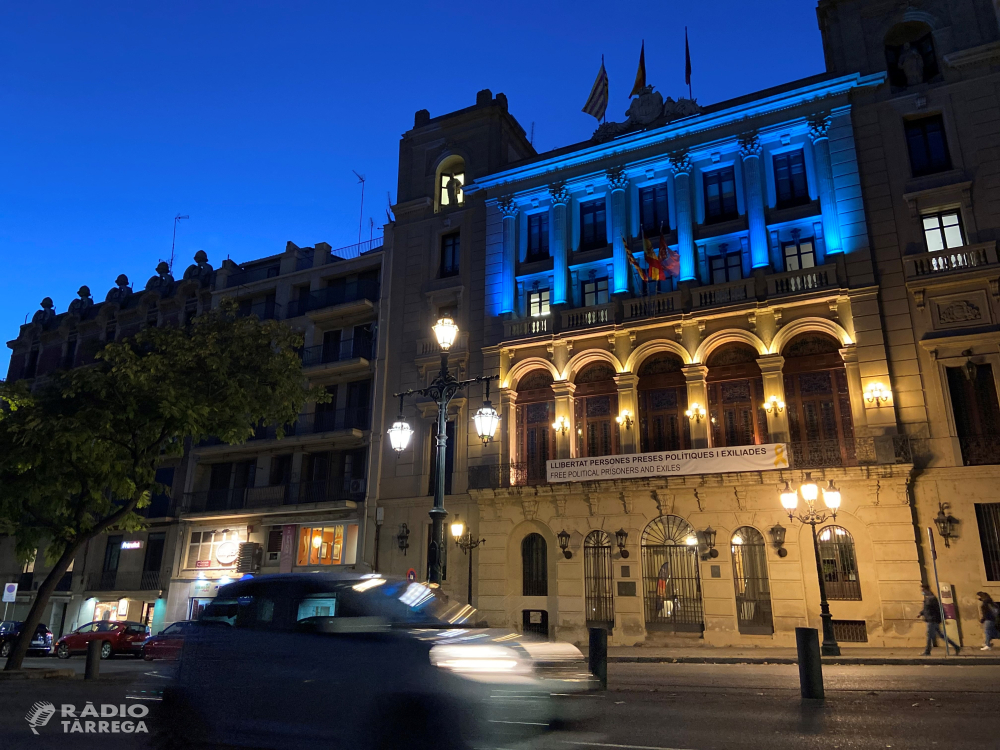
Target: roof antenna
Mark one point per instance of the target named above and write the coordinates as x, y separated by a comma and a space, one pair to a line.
531, 138
361, 218
173, 242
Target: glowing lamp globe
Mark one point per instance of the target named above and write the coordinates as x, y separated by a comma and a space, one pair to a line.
399, 435
486, 420
831, 496
457, 529
809, 490
446, 331
789, 498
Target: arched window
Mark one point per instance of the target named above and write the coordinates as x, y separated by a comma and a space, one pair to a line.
672, 587
596, 405
662, 403
736, 397
819, 406
909, 54
536, 440
534, 563
597, 576
753, 590
451, 183
840, 565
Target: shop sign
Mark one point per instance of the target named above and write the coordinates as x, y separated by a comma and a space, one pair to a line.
227, 552
203, 564
133, 544
669, 463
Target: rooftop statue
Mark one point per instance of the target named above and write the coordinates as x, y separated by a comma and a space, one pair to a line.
120, 294
648, 110
46, 315
79, 306
201, 271
163, 282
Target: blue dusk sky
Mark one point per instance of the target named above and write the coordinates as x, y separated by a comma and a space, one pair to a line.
250, 116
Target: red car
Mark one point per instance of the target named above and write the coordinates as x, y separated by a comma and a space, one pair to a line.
167, 643
122, 637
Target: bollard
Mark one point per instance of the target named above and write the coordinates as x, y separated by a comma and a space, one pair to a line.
599, 655
93, 668
810, 665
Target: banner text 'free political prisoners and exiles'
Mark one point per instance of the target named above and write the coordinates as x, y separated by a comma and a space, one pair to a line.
669, 463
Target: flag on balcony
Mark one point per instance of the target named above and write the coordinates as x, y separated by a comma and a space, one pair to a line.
670, 260
656, 271
632, 261
597, 102
640, 75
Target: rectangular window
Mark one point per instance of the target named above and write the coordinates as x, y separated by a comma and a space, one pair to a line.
800, 255
112, 553
988, 518
450, 250
538, 303
321, 545
790, 179
653, 209
943, 231
154, 552
595, 292
593, 225
720, 195
977, 413
928, 146
538, 236
728, 267
214, 549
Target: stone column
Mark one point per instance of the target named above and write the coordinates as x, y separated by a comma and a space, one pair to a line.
563, 391
818, 129
508, 425
628, 398
507, 276
697, 391
682, 166
557, 243
750, 150
774, 385
854, 389
619, 230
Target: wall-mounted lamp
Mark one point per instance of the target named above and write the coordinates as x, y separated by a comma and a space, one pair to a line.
695, 412
561, 425
621, 537
563, 537
877, 394
777, 533
624, 419
403, 538
945, 523
708, 539
774, 405
970, 368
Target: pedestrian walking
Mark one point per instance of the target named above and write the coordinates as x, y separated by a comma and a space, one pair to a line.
931, 614
989, 614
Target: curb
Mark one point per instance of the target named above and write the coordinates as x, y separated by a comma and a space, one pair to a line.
833, 660
38, 674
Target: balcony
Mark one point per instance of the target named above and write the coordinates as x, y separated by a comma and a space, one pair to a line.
357, 347
354, 251
589, 317
804, 280
724, 294
980, 450
923, 265
250, 275
519, 329
653, 306
338, 294
125, 580
250, 498
349, 418
263, 310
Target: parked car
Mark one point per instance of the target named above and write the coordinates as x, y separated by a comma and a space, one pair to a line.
120, 637
41, 644
167, 643
379, 662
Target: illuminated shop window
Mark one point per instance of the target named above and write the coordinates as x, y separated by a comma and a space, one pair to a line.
327, 545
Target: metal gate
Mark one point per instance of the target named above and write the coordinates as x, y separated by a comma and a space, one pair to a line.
672, 587
753, 590
597, 577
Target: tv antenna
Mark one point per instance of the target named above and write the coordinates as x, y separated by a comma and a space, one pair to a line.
173, 242
361, 218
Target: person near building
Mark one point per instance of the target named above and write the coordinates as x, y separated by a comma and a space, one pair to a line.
989, 614
931, 614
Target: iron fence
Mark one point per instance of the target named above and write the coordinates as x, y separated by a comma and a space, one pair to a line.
672, 587
597, 576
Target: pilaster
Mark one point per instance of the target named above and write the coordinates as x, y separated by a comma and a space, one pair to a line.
682, 166
819, 127
750, 150
628, 398
557, 243
774, 385
509, 212
858, 414
508, 412
564, 390
697, 393
618, 182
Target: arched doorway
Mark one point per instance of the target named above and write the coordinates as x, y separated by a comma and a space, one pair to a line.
662, 403
597, 578
535, 411
671, 584
735, 397
820, 425
753, 590
596, 404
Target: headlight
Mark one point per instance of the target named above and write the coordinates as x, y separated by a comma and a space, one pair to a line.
478, 659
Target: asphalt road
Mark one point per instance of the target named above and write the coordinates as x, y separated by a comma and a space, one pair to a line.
655, 707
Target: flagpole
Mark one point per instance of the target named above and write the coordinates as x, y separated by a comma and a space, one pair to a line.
687, 63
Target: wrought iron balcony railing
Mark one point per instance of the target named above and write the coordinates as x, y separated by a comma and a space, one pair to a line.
338, 351
124, 580
332, 490
338, 294
250, 275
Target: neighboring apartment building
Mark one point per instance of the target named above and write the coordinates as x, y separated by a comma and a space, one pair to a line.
929, 149
777, 327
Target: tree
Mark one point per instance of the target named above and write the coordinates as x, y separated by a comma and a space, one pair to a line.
78, 455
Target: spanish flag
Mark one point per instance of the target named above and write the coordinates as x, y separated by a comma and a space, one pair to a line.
640, 75
656, 272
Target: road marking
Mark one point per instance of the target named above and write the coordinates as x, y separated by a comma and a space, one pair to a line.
524, 723
610, 744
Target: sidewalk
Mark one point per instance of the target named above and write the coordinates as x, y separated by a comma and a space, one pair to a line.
970, 656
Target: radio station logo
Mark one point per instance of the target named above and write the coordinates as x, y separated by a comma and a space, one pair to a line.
106, 718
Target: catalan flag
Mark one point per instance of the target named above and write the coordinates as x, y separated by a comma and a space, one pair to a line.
640, 75
597, 102
632, 261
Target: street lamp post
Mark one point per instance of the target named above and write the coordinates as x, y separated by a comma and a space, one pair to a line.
443, 389
464, 540
831, 498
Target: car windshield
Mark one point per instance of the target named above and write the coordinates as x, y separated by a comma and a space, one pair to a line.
177, 628
398, 603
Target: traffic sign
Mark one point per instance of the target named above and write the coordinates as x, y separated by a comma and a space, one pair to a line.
411, 575
9, 592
